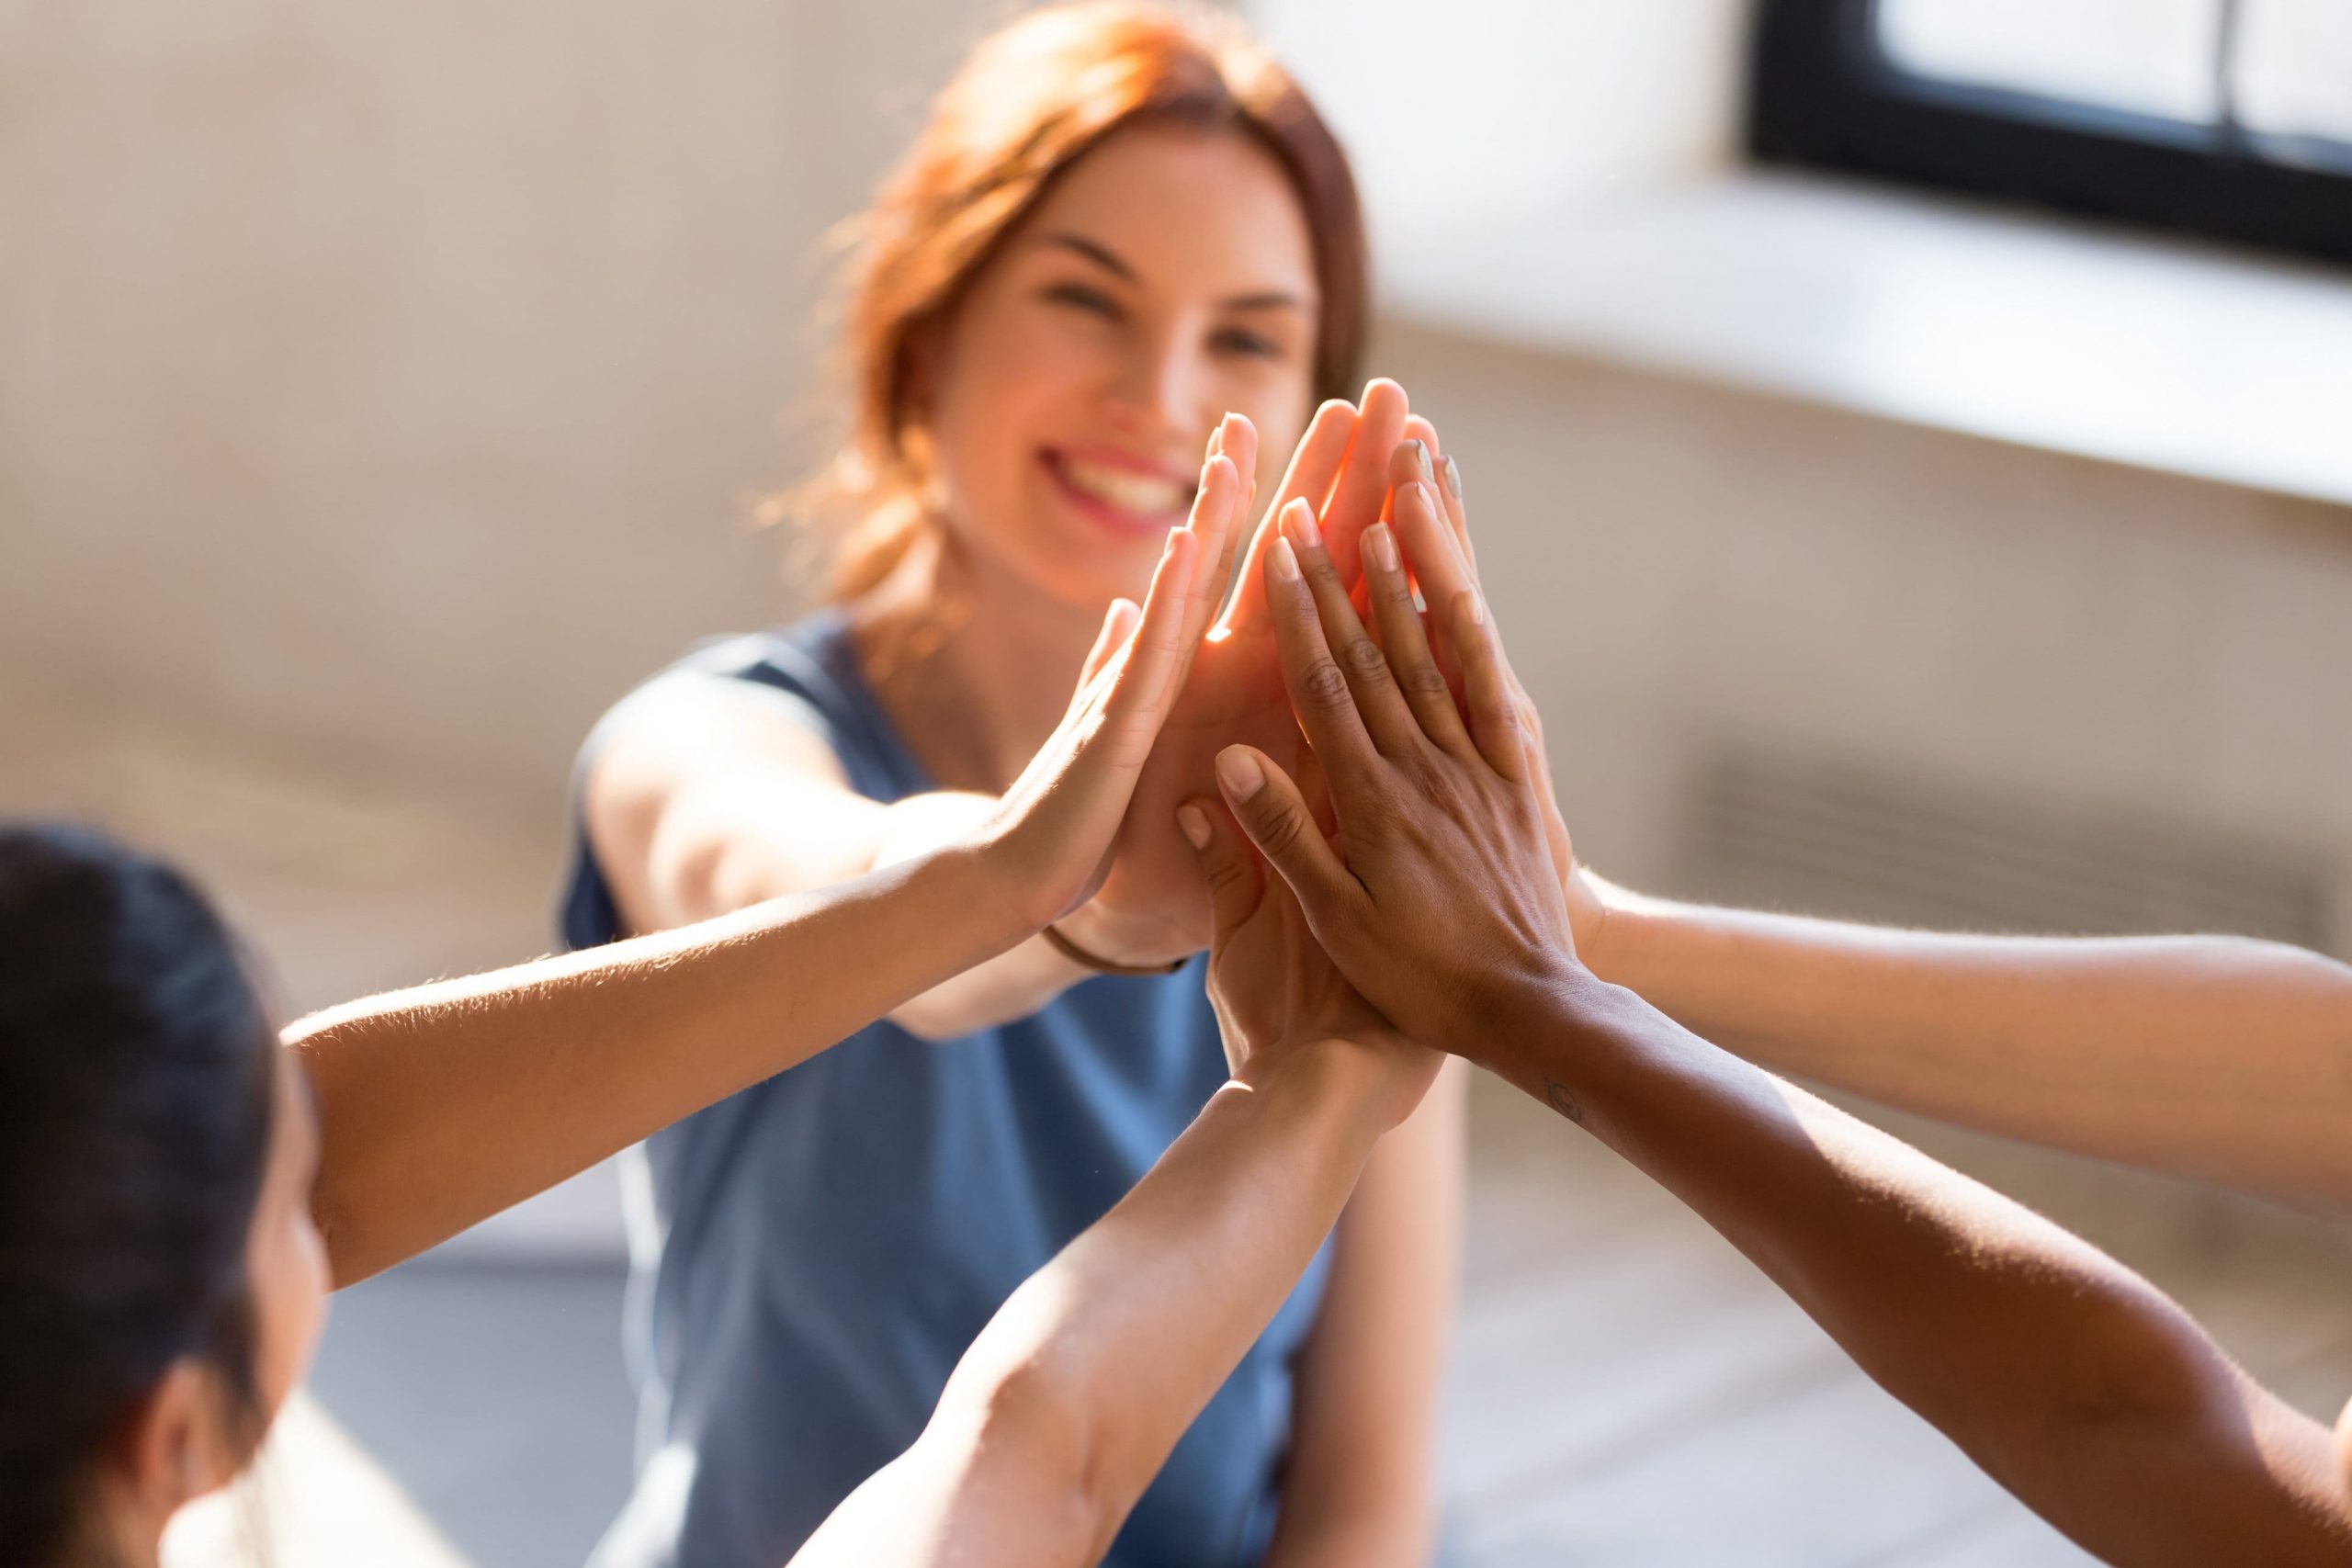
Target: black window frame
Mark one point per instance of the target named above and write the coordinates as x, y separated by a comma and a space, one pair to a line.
1823, 95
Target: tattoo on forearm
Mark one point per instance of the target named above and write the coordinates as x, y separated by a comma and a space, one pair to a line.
1564, 1100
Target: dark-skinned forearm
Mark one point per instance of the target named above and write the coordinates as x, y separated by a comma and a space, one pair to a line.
2067, 1377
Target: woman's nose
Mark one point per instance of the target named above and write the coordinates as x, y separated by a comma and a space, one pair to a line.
1157, 388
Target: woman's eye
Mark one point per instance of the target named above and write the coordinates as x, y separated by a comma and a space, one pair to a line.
1242, 341
1079, 295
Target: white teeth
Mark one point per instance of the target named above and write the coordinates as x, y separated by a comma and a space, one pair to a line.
1138, 493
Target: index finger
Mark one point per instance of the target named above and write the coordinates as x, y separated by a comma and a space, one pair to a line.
1362, 484
1313, 468
1318, 691
1146, 673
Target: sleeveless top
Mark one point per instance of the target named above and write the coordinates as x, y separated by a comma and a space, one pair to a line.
810, 1256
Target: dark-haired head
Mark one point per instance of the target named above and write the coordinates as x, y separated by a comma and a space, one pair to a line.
159, 1281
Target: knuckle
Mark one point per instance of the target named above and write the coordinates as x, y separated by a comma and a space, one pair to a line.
1364, 656
1278, 829
1424, 681
1322, 684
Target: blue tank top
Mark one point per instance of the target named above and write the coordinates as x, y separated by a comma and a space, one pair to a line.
811, 1258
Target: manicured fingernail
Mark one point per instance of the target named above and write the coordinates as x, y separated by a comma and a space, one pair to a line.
1299, 517
1421, 459
1473, 604
1286, 562
1194, 824
1238, 774
1453, 479
1381, 545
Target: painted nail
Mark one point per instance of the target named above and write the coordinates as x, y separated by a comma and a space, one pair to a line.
1381, 545
1194, 823
1422, 460
1301, 522
1286, 562
1453, 479
1238, 774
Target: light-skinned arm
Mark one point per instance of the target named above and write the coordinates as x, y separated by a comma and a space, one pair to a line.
2223, 1059
2070, 1379
1360, 1489
441, 1105
707, 796
2220, 1058
1069, 1402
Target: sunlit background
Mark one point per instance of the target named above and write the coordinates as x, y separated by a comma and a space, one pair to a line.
386, 387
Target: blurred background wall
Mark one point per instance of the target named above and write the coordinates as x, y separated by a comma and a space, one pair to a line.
393, 380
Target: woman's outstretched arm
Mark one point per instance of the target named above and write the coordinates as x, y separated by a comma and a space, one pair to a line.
708, 796
2219, 1059
1065, 1408
2070, 1379
441, 1105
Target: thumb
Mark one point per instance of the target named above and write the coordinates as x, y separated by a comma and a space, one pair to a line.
1236, 878
1269, 808
1118, 625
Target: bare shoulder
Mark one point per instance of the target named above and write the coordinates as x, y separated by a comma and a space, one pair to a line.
691, 730
698, 792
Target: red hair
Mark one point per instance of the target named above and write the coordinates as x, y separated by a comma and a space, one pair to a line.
1032, 99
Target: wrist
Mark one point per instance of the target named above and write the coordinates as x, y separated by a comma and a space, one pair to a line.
1355, 1079
1618, 920
971, 876
1103, 934
1513, 999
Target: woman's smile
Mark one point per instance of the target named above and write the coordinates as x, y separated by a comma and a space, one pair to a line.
1130, 496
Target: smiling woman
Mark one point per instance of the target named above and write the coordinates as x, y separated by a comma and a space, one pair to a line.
1004, 137
1122, 224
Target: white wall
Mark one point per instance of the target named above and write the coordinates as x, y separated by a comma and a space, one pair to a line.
1470, 110
391, 379
1679, 568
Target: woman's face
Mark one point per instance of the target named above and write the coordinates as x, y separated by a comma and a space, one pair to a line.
1166, 279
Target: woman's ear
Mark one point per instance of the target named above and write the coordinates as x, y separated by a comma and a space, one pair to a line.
174, 1444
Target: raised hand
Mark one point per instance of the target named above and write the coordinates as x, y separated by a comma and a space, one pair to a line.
1050, 836
1448, 895
1274, 989
1152, 906
1445, 563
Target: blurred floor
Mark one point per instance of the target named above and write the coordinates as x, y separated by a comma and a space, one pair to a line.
494, 1394
1626, 1388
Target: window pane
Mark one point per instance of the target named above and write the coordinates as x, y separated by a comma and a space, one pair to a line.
2154, 57
2294, 68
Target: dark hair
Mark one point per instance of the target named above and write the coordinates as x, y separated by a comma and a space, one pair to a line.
137, 1078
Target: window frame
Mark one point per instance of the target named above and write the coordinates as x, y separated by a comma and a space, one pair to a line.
1823, 95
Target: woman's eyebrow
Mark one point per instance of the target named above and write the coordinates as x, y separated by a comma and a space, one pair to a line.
1100, 255
1109, 261
1272, 300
